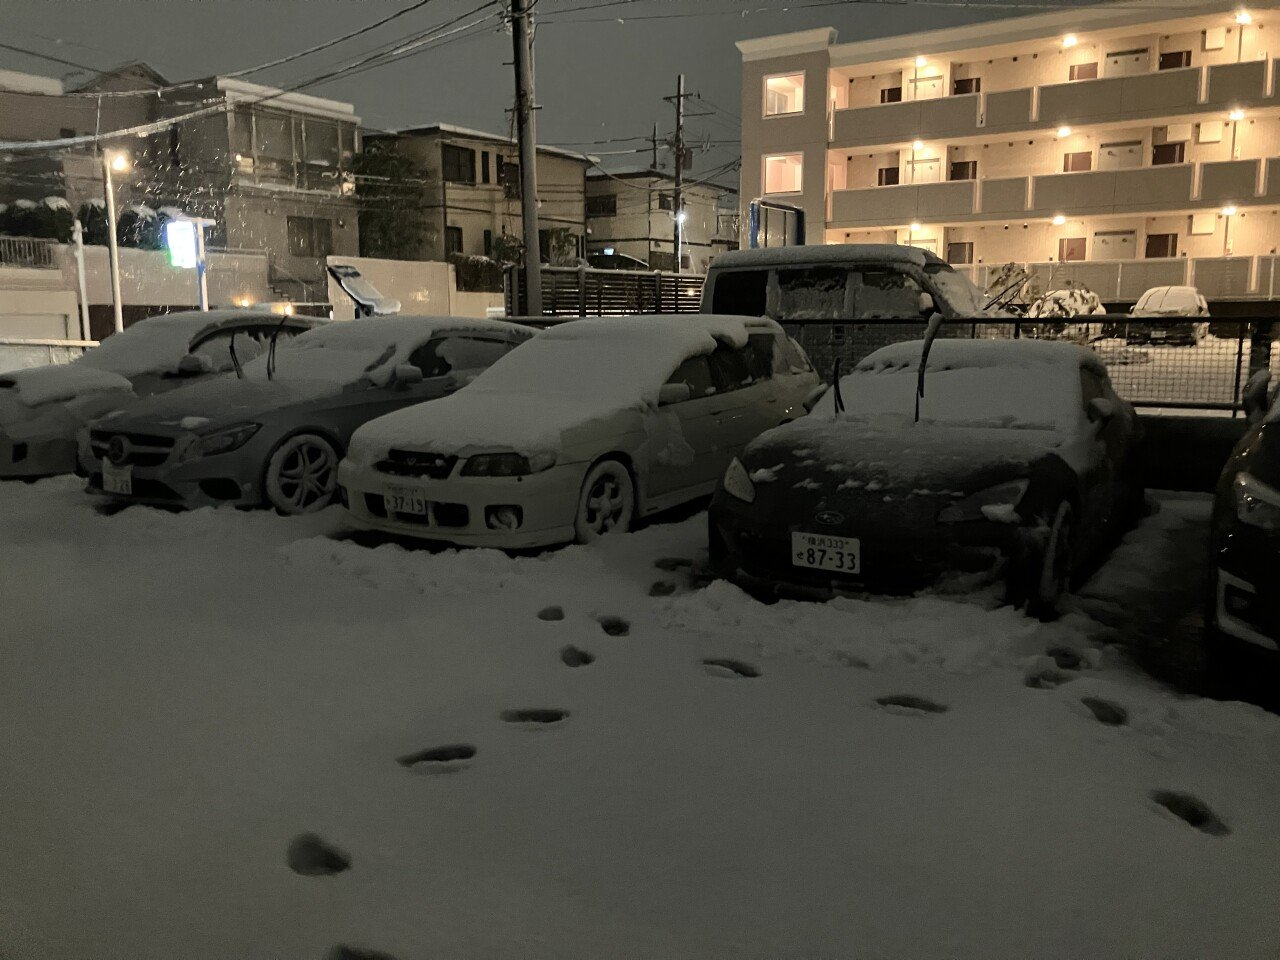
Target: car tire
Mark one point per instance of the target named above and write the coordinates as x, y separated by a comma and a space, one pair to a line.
606, 502
1051, 569
302, 474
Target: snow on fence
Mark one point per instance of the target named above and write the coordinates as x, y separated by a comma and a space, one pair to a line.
27, 252
588, 292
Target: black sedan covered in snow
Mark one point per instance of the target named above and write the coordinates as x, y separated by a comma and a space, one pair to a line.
273, 432
1244, 603
1022, 453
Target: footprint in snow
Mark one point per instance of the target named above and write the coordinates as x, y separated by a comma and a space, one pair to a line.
534, 717
447, 759
672, 564
1065, 658
909, 705
311, 856
1104, 711
551, 613
1191, 810
662, 588
1046, 678
344, 952
614, 626
572, 656
729, 669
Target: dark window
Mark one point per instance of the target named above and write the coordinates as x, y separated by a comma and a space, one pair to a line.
666, 201
734, 368
887, 294
1077, 162
891, 95
452, 240
509, 177
309, 236
888, 177
812, 293
960, 253
964, 170
1084, 71
1162, 245
66, 132
971, 85
443, 355
696, 372
484, 166
488, 243
1071, 248
1174, 60
769, 353
1164, 153
740, 293
661, 260
603, 206
459, 164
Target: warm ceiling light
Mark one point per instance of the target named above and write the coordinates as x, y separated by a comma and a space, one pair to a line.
1236, 114
1244, 18
915, 225
921, 61
1229, 210
1064, 131
1070, 40
1059, 219
917, 144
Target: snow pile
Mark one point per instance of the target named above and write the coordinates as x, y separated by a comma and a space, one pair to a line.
57, 203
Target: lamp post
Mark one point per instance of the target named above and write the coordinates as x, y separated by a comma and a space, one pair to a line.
118, 161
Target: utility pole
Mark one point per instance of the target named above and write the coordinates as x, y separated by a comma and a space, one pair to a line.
526, 132
113, 161
677, 211
653, 140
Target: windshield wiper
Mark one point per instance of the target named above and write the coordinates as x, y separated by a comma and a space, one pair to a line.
930, 333
271, 349
835, 385
235, 361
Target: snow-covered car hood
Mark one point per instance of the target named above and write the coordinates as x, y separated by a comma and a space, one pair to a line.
53, 399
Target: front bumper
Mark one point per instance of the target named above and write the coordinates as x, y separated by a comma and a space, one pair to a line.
161, 478
460, 508
42, 457
1245, 603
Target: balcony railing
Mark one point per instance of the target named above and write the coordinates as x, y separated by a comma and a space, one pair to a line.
27, 252
1218, 278
1165, 93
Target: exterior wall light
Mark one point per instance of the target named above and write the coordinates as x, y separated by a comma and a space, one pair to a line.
1229, 210
1064, 131
921, 61
1070, 40
917, 144
1244, 17
1059, 219
1236, 115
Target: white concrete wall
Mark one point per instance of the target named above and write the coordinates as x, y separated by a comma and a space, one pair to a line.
423, 287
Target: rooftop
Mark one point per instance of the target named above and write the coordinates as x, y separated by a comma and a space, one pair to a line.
450, 130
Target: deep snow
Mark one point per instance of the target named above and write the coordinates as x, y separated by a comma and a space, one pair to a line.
183, 696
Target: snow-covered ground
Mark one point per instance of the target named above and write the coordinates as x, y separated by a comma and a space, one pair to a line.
183, 695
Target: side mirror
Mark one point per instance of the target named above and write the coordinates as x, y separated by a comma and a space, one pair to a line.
674, 393
194, 364
406, 374
926, 304
817, 393
1101, 410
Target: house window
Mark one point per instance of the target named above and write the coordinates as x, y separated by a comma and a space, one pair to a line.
666, 201
488, 243
273, 146
459, 164
65, 132
891, 95
783, 93
605, 205
784, 173
509, 177
452, 240
964, 170
1083, 71
1071, 248
1175, 60
970, 85
888, 177
960, 253
1162, 245
309, 236
1077, 162
1165, 153
484, 166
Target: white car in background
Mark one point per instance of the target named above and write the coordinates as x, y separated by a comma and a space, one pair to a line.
1174, 303
584, 429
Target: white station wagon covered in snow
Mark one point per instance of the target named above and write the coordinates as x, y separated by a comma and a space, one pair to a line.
585, 428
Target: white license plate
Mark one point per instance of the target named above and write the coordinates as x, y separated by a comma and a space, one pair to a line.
117, 479
1159, 334
405, 500
821, 551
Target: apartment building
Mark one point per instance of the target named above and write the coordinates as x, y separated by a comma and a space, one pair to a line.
272, 169
1122, 146
632, 212
471, 183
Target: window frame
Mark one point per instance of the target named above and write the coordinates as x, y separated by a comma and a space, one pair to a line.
764, 96
764, 174
455, 151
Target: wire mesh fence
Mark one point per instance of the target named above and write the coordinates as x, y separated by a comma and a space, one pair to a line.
1153, 363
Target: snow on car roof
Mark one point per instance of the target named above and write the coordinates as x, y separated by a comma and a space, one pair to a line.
825, 253
161, 341
952, 354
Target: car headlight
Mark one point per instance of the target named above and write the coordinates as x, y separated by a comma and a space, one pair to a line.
507, 464
998, 503
223, 441
1257, 503
738, 483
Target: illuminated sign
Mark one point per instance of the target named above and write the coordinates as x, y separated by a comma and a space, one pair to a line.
180, 238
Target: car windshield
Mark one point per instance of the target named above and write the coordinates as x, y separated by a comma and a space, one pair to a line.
963, 297
339, 354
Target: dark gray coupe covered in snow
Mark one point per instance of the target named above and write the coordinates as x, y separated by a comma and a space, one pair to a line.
1022, 453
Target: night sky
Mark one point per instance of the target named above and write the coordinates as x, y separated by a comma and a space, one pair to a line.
602, 67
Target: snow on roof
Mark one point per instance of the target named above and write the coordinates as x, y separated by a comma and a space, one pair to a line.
16, 82
56, 203
159, 342
824, 253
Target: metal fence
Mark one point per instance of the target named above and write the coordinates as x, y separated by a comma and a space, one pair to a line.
27, 252
586, 292
1218, 278
1154, 364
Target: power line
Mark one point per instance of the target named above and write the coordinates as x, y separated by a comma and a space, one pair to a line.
45, 56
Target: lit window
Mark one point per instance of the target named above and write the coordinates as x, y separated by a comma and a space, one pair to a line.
784, 173
784, 94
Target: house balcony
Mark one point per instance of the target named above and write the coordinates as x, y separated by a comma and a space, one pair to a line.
1166, 94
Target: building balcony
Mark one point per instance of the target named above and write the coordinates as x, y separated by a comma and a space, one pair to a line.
1218, 278
1146, 97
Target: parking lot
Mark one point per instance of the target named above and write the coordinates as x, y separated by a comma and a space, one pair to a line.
654, 766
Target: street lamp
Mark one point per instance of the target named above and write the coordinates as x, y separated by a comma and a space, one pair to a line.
118, 161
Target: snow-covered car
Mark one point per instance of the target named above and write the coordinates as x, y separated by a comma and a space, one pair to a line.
1065, 303
1159, 307
43, 408
274, 433
580, 432
1022, 452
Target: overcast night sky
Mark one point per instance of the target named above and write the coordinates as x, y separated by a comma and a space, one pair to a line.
603, 67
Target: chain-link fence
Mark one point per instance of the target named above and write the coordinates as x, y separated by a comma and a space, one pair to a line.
1152, 362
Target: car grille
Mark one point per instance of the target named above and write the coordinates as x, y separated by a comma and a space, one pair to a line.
139, 449
450, 515
410, 463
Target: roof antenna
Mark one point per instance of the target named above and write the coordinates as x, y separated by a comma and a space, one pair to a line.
930, 333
